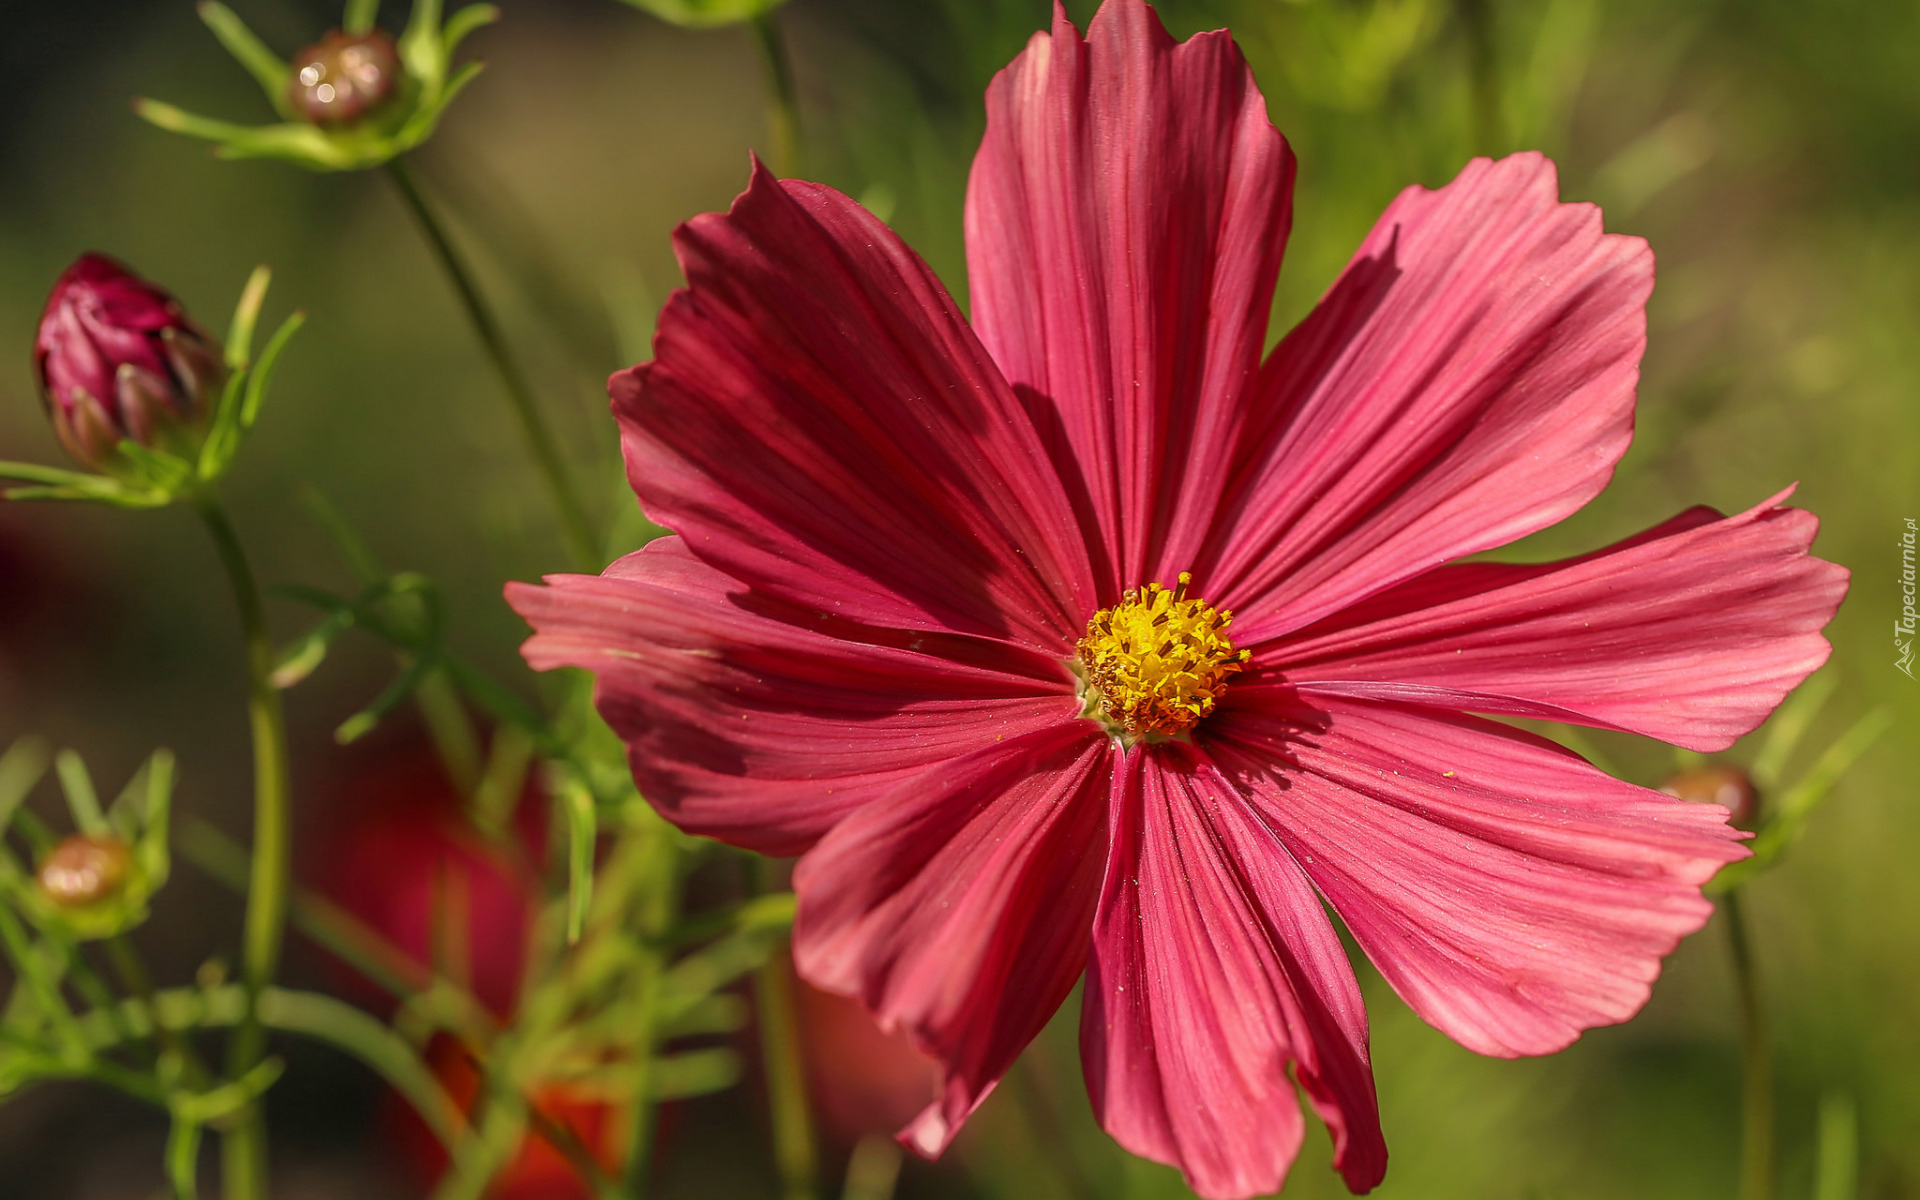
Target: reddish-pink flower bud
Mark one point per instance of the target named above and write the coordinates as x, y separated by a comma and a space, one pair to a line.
119, 358
1729, 787
344, 76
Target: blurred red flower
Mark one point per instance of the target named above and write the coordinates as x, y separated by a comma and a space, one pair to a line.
401, 837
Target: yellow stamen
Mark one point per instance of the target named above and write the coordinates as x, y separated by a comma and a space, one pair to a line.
1156, 662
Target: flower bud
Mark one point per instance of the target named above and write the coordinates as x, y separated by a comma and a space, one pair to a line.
344, 77
1729, 787
119, 358
84, 870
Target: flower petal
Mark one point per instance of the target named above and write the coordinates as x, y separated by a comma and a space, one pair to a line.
1692, 636
1214, 967
1511, 893
1125, 221
760, 726
820, 423
957, 907
1469, 379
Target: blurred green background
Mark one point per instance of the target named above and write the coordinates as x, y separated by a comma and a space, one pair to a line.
1768, 149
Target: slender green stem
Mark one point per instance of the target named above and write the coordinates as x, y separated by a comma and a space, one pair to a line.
244, 1144
794, 1153
502, 1128
656, 910
783, 98
44, 989
355, 943
1756, 1061
577, 530
563, 1139
303, 1014
134, 974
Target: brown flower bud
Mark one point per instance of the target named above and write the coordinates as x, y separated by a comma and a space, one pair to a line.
84, 870
344, 77
1729, 787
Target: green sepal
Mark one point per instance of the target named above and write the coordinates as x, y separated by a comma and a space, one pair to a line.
22, 767
583, 831
268, 69
360, 16
1799, 802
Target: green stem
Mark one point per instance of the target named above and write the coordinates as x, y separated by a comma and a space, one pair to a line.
577, 530
657, 875
783, 98
1756, 1134
244, 1144
793, 1144
44, 989
502, 1129
303, 1014
134, 974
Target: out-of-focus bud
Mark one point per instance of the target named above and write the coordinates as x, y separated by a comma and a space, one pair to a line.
344, 77
1729, 787
118, 358
83, 870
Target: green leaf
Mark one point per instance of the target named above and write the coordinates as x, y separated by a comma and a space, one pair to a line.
154, 471
223, 1101
582, 832
268, 69
301, 659
360, 16
1800, 801
245, 314
1788, 725
152, 856
42, 985
721, 1013
353, 548
82, 800
22, 767
223, 434
772, 913
258, 378
378, 1047
695, 1073
419, 43
706, 14
55, 476
464, 22
179, 120
368, 719
308, 145
183, 1158
503, 781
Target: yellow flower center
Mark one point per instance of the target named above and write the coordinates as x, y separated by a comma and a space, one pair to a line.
1156, 662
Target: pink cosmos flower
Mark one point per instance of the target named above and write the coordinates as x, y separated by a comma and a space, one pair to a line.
946, 611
